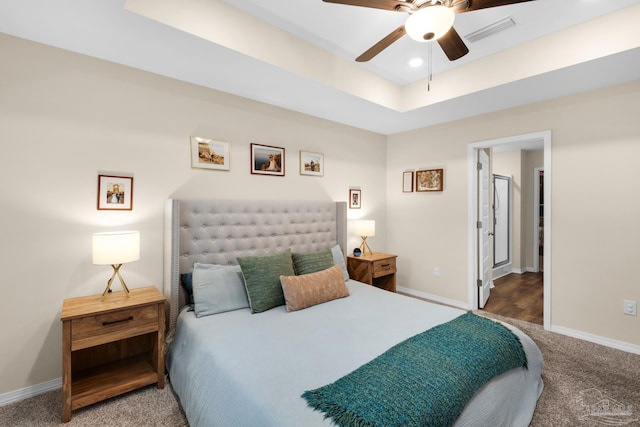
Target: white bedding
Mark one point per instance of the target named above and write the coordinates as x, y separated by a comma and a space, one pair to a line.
242, 369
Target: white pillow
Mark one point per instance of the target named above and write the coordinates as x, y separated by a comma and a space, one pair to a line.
217, 289
338, 258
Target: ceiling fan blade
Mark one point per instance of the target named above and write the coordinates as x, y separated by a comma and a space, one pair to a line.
485, 4
394, 5
452, 45
382, 44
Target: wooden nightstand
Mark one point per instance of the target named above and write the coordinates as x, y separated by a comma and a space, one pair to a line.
377, 269
110, 346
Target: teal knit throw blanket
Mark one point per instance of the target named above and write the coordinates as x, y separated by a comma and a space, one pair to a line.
425, 380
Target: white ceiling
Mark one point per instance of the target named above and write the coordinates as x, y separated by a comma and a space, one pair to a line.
348, 31
298, 54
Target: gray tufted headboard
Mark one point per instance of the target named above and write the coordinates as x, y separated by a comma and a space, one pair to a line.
218, 231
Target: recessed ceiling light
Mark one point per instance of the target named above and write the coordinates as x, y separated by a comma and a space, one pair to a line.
416, 62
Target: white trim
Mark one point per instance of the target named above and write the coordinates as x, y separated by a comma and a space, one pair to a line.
607, 342
31, 391
546, 253
503, 270
435, 298
472, 203
536, 218
505, 273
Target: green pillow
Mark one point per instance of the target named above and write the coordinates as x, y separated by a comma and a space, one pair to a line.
312, 262
262, 279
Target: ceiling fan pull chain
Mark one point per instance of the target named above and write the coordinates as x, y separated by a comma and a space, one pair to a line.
429, 65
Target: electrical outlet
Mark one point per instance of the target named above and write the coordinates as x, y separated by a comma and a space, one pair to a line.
436, 271
630, 308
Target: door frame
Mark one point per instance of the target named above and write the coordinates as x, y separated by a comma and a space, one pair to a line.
472, 206
483, 233
536, 217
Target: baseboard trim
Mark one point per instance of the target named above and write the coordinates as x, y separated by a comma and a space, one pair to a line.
31, 391
503, 270
496, 277
607, 342
434, 298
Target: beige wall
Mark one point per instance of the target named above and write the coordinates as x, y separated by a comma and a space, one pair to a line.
65, 117
594, 250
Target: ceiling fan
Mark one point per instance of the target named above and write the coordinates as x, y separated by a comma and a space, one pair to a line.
428, 20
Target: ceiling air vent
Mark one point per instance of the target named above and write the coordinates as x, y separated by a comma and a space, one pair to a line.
490, 29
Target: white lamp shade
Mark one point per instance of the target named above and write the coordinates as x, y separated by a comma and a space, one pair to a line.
365, 228
116, 247
429, 23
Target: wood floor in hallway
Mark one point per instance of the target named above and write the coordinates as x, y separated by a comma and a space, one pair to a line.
518, 296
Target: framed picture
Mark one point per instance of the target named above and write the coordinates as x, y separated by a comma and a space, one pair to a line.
311, 163
355, 199
115, 193
429, 180
209, 153
267, 160
407, 182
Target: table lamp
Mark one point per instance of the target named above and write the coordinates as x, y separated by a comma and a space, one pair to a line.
116, 248
364, 229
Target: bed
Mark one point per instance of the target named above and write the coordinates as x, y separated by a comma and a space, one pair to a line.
235, 368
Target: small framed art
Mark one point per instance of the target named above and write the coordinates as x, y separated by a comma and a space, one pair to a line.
429, 180
115, 193
209, 153
407, 182
311, 163
355, 199
267, 160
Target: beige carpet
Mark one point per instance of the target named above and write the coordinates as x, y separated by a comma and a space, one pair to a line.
576, 374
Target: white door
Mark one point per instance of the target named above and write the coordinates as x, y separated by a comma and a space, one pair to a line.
484, 264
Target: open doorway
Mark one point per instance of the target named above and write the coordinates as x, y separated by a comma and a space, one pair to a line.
525, 261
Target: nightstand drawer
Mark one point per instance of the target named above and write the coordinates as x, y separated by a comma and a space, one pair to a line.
103, 328
384, 266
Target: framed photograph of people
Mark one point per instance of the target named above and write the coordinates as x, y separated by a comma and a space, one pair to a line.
355, 199
207, 153
311, 163
267, 160
115, 193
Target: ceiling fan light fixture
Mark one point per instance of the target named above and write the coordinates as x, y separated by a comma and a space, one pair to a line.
429, 23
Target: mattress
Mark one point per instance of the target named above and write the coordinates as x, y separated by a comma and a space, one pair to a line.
243, 369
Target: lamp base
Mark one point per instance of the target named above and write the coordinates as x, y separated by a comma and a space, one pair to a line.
116, 272
364, 247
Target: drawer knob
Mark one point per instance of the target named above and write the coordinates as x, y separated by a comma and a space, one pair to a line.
113, 322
